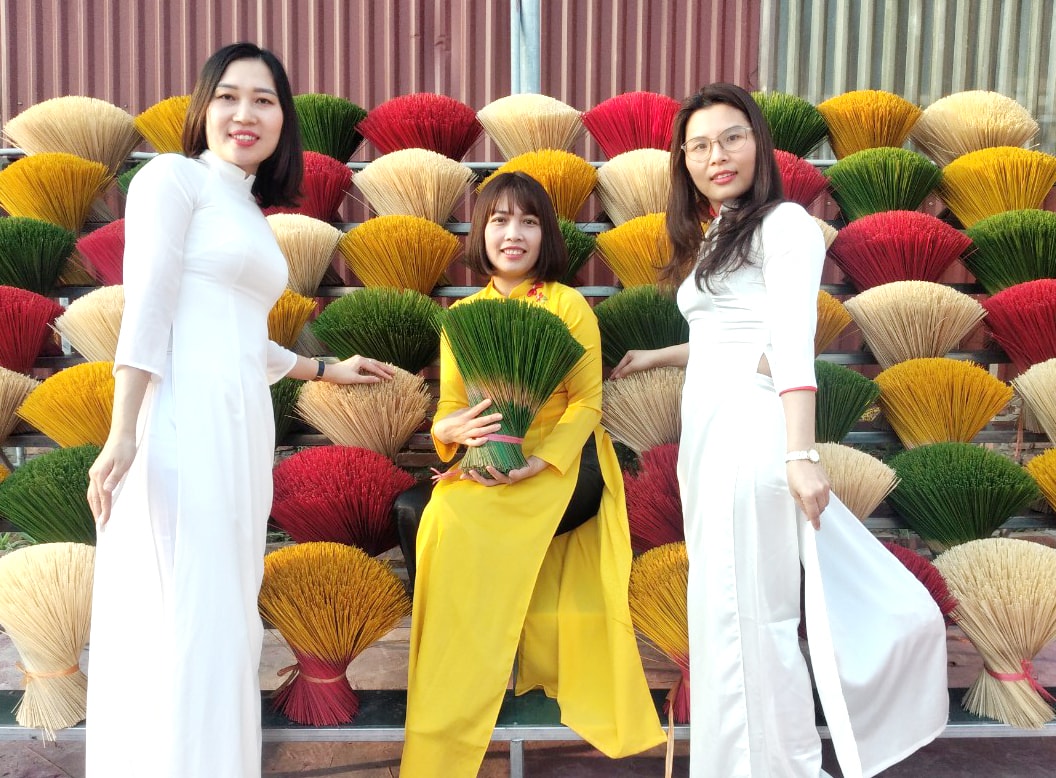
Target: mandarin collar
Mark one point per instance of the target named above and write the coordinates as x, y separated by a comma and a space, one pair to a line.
521, 290
228, 171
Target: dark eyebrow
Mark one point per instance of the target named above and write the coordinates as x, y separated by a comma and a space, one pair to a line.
255, 89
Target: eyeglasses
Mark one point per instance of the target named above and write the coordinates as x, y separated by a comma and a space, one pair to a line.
732, 139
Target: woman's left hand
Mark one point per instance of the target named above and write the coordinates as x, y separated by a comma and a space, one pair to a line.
359, 370
809, 485
534, 467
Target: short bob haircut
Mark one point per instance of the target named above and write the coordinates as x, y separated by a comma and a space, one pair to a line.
522, 191
278, 180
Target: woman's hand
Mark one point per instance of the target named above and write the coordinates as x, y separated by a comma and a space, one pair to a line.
637, 360
358, 370
809, 485
534, 467
467, 427
106, 473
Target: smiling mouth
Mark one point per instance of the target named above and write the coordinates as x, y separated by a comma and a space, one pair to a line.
243, 138
723, 178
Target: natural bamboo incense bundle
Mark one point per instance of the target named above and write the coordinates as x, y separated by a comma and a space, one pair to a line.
867, 119
641, 317
330, 602
833, 319
46, 498
986, 182
329, 124
883, 179
422, 120
801, 182
288, 317
25, 320
632, 120
416, 182
568, 179
580, 247
635, 183
102, 253
897, 246
14, 389
644, 410
1011, 248
530, 122
92, 323
406, 252
860, 481
162, 123
46, 609
398, 326
284, 394
339, 494
929, 575
1037, 386
828, 231
964, 122
637, 249
903, 320
1042, 469
73, 407
951, 493
796, 126
843, 397
654, 505
308, 245
381, 416
54, 187
1022, 319
90, 128
33, 253
1007, 607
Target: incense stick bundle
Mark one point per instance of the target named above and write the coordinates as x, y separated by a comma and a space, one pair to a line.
323, 189
1037, 386
329, 124
308, 245
801, 182
417, 182
860, 481
33, 253
654, 505
422, 120
1022, 318
568, 179
25, 320
644, 410
381, 416
1006, 607
844, 395
288, 317
102, 253
986, 182
828, 231
1042, 469
964, 122
795, 125
929, 575
632, 120
162, 123
284, 394
14, 389
579, 245
883, 179
73, 407
46, 498
93, 322
124, 180
637, 249
904, 320
527, 122
833, 319
406, 252
1011, 248
46, 609
635, 183
641, 317
54, 187
867, 119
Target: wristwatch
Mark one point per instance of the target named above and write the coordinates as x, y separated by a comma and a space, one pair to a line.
810, 455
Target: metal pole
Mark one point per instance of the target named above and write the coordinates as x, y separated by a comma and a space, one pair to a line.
524, 46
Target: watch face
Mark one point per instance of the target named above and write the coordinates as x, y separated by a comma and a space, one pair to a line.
813, 456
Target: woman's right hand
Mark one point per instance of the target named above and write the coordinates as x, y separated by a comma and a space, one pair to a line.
106, 473
635, 361
467, 427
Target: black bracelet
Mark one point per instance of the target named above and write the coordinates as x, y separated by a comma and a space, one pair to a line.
319, 370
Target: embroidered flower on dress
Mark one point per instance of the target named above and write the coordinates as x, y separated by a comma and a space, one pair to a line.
535, 294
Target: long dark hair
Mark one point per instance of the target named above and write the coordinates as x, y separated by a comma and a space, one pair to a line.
522, 191
730, 241
278, 180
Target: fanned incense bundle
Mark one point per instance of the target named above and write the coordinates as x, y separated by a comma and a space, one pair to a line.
25, 319
73, 407
1007, 607
860, 481
422, 120
950, 493
406, 252
1022, 319
884, 179
964, 122
929, 575
1011, 248
527, 122
832, 320
87, 127
1042, 469
904, 320
329, 124
381, 416
637, 249
417, 182
124, 180
399, 326
323, 189
828, 232
644, 410
93, 322
897, 246
516, 353
843, 396
1037, 386
641, 317
657, 595
162, 123
654, 505
986, 182
46, 498
53, 187
635, 183
580, 247
801, 182
339, 494
568, 179
308, 245
796, 126
288, 317
14, 389
329, 602
935, 399
632, 120
103, 253
284, 394
46, 609
867, 119
33, 253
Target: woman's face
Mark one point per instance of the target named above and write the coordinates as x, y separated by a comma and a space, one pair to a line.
512, 240
720, 174
244, 118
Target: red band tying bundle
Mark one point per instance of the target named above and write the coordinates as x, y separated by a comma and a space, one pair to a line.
496, 437
1027, 675
309, 678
